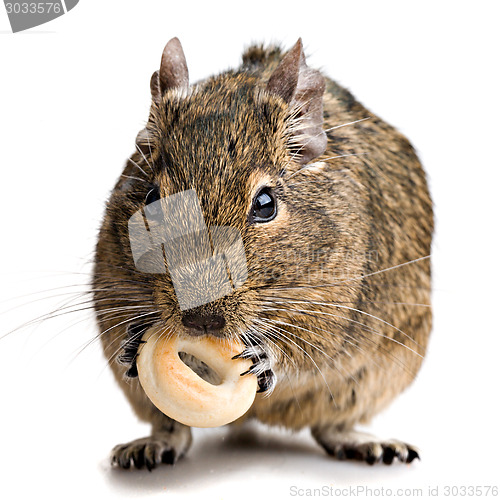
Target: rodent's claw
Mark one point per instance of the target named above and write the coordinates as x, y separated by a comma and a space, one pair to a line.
132, 371
247, 372
250, 352
266, 381
130, 346
253, 352
149, 452
261, 367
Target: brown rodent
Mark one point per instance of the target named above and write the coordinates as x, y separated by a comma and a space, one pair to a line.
336, 219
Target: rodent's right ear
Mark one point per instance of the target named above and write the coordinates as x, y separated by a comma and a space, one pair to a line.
173, 71
302, 88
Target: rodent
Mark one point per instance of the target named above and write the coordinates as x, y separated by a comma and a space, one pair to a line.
336, 219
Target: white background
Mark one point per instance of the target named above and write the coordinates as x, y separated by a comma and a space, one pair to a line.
73, 94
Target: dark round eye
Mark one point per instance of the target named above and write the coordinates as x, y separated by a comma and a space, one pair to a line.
153, 210
264, 206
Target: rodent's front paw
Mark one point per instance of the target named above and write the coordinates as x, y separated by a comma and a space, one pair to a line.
130, 346
261, 367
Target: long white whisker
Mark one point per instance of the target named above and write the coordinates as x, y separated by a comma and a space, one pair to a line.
346, 124
98, 336
308, 355
363, 339
360, 312
144, 156
138, 166
134, 178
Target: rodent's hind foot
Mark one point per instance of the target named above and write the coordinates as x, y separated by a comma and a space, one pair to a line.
353, 445
149, 452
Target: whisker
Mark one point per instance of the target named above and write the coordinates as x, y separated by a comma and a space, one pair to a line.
56, 313
144, 156
360, 339
348, 123
134, 178
101, 334
397, 266
137, 165
337, 282
308, 355
355, 310
267, 333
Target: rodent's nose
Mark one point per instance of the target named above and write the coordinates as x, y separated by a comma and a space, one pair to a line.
199, 324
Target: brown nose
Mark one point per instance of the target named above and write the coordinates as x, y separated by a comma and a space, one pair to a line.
198, 324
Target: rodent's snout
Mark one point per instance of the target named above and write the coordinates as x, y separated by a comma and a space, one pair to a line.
201, 324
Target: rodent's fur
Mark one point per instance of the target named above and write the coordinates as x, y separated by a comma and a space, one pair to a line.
338, 288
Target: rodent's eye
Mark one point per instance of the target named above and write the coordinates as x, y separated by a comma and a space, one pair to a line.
153, 210
263, 206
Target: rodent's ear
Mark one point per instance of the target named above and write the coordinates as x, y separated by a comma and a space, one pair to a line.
302, 88
284, 80
173, 71
154, 85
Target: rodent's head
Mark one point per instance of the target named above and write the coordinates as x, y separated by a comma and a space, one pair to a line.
237, 140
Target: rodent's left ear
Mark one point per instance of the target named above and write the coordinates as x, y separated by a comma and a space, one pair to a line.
302, 88
173, 71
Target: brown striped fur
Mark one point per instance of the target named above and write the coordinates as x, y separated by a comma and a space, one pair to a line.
342, 228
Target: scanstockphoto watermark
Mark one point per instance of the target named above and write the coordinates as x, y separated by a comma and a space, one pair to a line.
204, 263
309, 264
429, 491
170, 235
24, 15
355, 491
